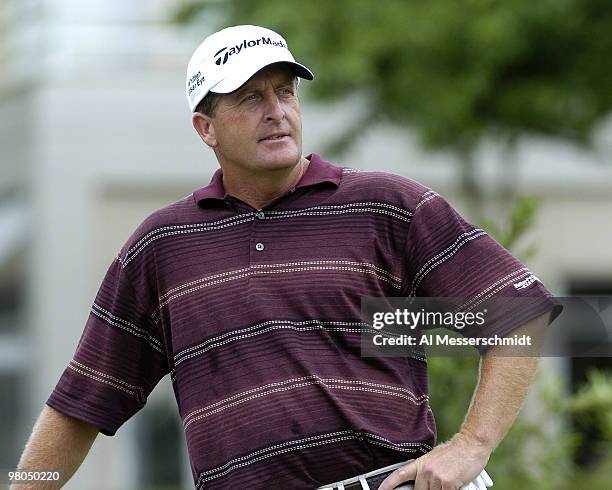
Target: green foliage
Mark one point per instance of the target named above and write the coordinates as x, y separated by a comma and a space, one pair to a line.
454, 70
537, 453
453, 380
597, 477
594, 402
187, 12
522, 217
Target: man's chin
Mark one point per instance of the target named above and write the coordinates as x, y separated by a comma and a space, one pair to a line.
279, 159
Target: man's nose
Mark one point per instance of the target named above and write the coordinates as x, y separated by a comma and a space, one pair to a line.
274, 108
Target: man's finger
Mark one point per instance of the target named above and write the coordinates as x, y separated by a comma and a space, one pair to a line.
420, 482
401, 475
434, 485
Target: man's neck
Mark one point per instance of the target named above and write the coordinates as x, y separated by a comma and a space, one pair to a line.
264, 187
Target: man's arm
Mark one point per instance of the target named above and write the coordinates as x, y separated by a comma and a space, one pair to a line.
58, 443
502, 386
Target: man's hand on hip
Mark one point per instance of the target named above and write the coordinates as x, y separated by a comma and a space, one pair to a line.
448, 466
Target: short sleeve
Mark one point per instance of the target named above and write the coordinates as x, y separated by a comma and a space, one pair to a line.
448, 257
120, 356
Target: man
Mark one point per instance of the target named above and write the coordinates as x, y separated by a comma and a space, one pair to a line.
248, 294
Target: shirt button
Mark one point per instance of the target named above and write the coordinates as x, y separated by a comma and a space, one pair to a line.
259, 246
261, 215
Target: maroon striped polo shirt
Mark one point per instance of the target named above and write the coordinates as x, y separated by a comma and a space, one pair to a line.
256, 317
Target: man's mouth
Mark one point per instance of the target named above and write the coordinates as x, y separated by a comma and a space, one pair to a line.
275, 136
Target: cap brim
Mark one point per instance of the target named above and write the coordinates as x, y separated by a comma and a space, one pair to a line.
237, 80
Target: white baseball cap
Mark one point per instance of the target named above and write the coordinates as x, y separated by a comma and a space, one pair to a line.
228, 58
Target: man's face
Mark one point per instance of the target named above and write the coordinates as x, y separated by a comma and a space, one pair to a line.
259, 126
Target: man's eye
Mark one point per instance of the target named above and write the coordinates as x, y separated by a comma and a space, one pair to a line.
251, 97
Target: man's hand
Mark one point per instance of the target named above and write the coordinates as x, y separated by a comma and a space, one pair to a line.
448, 466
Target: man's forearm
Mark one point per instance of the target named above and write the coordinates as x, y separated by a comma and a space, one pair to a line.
503, 384
58, 443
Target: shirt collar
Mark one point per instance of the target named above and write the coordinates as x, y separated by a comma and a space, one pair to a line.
318, 172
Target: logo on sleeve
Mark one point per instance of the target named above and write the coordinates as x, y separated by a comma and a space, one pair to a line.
525, 283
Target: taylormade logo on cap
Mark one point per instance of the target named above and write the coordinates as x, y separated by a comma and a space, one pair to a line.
224, 54
224, 62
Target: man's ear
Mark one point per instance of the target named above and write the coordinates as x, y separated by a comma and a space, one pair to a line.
204, 126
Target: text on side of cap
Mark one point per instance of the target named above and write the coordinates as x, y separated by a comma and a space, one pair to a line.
194, 82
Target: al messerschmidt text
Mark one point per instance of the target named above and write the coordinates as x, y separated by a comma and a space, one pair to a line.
522, 340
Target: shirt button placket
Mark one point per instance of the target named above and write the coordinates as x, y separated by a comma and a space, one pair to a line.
259, 245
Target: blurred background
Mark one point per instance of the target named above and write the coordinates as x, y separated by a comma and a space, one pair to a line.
502, 106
